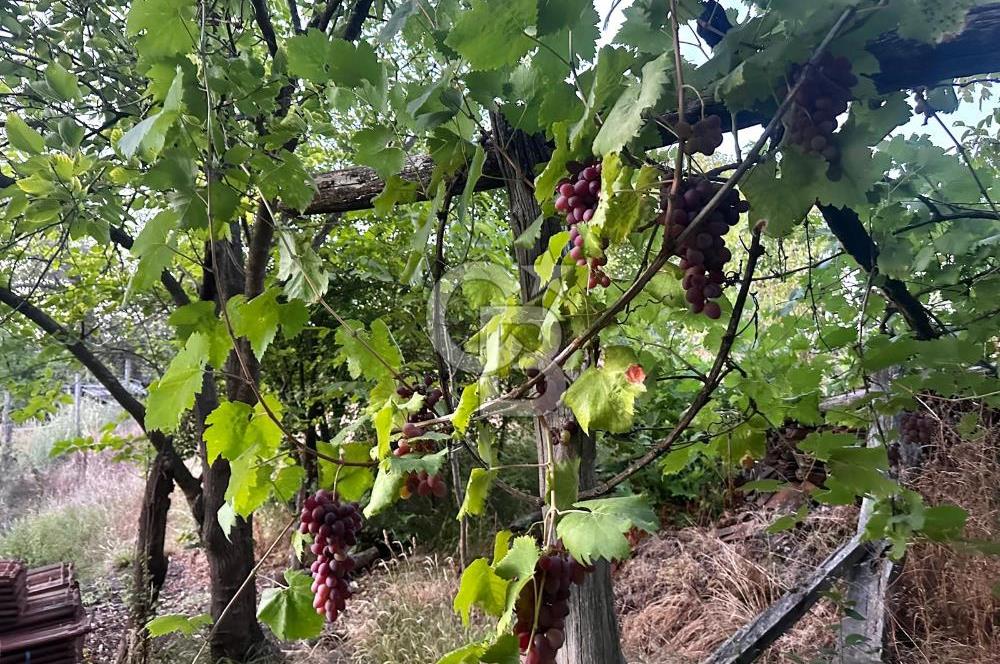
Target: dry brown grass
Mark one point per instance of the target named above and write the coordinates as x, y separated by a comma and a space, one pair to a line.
944, 609
685, 592
401, 614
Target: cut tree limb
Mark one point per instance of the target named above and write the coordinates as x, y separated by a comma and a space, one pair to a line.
904, 64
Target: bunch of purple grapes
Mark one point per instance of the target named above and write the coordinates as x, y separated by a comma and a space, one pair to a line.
334, 526
543, 605
421, 482
704, 253
577, 197
823, 95
918, 427
703, 136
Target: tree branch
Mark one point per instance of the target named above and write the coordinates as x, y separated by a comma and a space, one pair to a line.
190, 485
847, 226
263, 18
712, 379
324, 14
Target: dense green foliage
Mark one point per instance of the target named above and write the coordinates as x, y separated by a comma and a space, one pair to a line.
148, 141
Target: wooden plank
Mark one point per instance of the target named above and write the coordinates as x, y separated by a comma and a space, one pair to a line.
753, 638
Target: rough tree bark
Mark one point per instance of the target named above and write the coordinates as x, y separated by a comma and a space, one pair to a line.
149, 566
592, 628
236, 634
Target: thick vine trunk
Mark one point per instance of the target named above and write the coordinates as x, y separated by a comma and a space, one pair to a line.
149, 566
236, 633
592, 628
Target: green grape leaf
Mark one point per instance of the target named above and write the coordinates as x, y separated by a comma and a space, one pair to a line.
492, 33
944, 522
168, 27
476, 492
467, 406
600, 531
287, 481
564, 483
23, 137
367, 354
480, 586
385, 491
226, 516
176, 622
352, 481
320, 60
225, 430
154, 249
603, 398
301, 268
516, 566
628, 114
174, 393
289, 611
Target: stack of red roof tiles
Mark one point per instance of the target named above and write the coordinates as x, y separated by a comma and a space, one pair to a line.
42, 620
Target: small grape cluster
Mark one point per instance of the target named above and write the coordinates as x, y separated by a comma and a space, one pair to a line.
823, 95
543, 605
334, 526
704, 136
421, 482
918, 428
703, 254
577, 197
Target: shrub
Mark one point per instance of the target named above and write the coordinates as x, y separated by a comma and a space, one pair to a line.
82, 535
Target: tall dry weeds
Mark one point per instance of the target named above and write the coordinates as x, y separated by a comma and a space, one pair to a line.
944, 609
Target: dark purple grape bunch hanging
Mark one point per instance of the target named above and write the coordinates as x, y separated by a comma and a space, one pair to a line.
823, 95
576, 198
918, 428
334, 526
703, 253
543, 605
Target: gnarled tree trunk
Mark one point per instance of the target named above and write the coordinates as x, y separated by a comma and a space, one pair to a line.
149, 566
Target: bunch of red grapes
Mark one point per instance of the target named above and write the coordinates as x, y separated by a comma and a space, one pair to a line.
577, 197
543, 605
823, 95
703, 253
334, 526
421, 482
919, 428
703, 136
